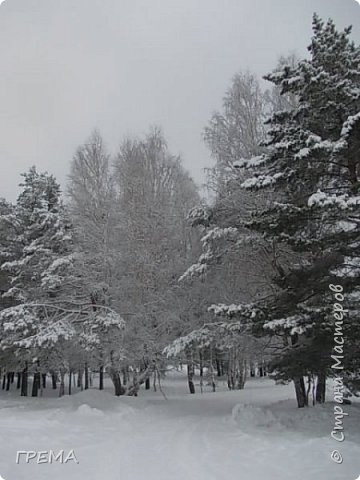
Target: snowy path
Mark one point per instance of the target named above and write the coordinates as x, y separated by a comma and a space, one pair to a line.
186, 437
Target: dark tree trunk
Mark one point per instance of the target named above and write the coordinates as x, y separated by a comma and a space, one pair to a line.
201, 371
24, 381
212, 373
8, 381
190, 375
43, 377
12, 377
86, 371
101, 378
218, 367
115, 378
300, 391
18, 381
4, 381
36, 384
231, 374
261, 371
70, 379
213, 384
147, 374
321, 388
80, 379
308, 390
53, 380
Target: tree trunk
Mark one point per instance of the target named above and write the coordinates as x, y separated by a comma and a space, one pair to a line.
80, 379
133, 390
125, 375
86, 370
231, 373
24, 381
190, 374
241, 377
36, 384
308, 390
300, 391
201, 371
8, 381
18, 382
4, 381
321, 388
212, 375
70, 380
219, 367
43, 377
154, 379
115, 378
62, 383
101, 377
53, 380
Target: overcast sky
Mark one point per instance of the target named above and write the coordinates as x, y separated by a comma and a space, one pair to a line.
68, 66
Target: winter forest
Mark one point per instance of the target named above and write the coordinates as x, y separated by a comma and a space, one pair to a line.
162, 329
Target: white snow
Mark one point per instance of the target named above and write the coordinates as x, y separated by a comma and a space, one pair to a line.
349, 124
261, 181
323, 199
250, 162
254, 434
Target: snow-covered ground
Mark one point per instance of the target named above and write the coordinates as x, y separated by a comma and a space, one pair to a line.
254, 434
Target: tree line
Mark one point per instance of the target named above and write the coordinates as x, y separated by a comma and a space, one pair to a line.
131, 269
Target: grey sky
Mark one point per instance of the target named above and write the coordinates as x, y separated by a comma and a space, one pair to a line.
68, 66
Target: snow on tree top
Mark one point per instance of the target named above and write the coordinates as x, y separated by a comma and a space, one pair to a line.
249, 162
261, 181
322, 199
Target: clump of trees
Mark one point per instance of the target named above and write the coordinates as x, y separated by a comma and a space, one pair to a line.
132, 267
88, 282
289, 191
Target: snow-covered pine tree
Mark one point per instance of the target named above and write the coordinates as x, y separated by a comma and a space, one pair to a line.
312, 164
53, 323
43, 242
8, 236
39, 259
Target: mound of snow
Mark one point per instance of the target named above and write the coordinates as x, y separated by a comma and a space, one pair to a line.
284, 416
87, 411
96, 403
101, 400
249, 417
